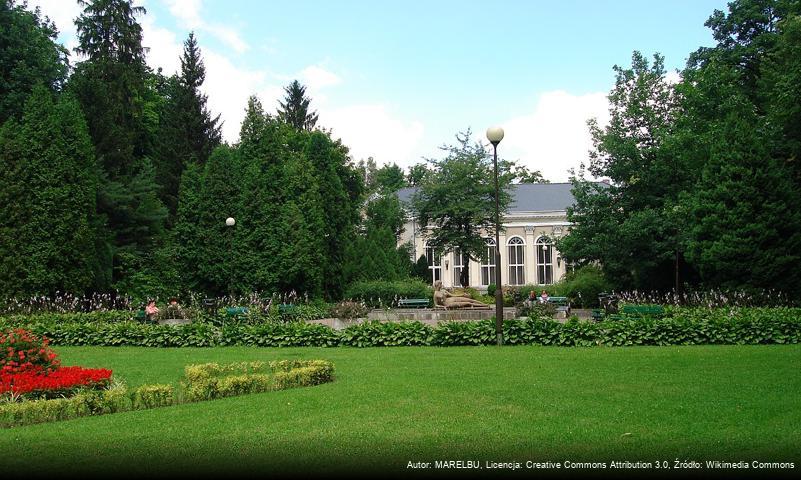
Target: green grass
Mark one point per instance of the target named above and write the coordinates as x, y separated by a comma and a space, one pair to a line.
388, 406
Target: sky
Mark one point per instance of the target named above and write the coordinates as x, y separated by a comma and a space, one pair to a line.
397, 80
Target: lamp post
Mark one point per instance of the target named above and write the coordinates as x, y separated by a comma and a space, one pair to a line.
229, 223
495, 135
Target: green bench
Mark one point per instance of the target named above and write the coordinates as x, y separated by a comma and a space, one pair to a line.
286, 310
413, 303
562, 304
141, 316
235, 312
643, 310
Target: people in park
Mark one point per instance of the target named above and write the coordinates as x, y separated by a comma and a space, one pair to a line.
544, 297
444, 298
151, 310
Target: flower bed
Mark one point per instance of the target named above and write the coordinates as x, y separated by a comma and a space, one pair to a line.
30, 369
64, 381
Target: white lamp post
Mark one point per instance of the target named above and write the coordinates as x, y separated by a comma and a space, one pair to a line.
230, 222
495, 135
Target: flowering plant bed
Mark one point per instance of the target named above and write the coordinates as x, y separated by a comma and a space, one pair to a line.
38, 389
65, 381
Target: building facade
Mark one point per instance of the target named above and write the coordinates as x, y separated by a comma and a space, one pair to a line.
537, 216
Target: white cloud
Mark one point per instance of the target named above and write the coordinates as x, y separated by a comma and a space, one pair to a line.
317, 77
372, 131
189, 13
63, 13
555, 137
164, 47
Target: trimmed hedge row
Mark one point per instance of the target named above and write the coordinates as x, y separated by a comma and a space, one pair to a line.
681, 327
201, 382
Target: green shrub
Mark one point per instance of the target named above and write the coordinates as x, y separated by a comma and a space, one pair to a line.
211, 380
583, 286
349, 310
679, 326
535, 309
380, 293
152, 396
79, 317
379, 334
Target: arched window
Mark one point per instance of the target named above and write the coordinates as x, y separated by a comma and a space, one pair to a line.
434, 263
488, 264
544, 249
460, 262
517, 260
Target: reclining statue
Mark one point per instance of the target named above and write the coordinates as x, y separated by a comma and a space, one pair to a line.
444, 298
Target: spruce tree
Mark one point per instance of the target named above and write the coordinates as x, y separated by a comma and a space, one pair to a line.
188, 132
294, 110
111, 87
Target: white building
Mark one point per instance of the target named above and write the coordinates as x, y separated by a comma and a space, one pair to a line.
536, 216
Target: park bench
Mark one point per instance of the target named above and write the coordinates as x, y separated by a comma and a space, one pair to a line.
287, 311
141, 316
413, 303
562, 304
235, 313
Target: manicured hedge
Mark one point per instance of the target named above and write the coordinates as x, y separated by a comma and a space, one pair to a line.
679, 327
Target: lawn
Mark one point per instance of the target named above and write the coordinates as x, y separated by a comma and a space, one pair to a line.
389, 406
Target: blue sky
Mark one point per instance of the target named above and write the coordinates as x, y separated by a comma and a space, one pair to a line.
395, 80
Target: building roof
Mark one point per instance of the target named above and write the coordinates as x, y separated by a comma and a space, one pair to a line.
526, 197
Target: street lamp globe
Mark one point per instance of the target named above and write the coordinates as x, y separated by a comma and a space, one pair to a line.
495, 135
230, 222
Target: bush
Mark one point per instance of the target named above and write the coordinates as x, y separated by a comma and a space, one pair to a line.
535, 309
379, 293
679, 326
22, 351
583, 286
152, 396
349, 310
212, 380
386, 334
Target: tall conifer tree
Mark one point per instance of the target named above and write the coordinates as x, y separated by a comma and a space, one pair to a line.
48, 184
294, 110
111, 87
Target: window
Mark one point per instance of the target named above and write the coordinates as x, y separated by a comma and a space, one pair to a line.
434, 264
460, 262
488, 264
544, 260
516, 248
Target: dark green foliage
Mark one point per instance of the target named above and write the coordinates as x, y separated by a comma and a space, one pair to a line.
29, 56
386, 334
623, 225
340, 190
384, 293
417, 174
457, 201
188, 133
583, 285
112, 87
390, 178
700, 326
294, 110
421, 270
48, 184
